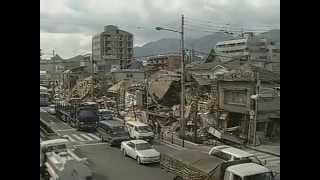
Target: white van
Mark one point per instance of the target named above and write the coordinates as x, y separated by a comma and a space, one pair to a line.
138, 130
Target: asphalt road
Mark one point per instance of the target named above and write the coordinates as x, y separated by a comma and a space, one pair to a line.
108, 163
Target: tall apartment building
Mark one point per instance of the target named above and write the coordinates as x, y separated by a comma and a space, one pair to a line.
112, 48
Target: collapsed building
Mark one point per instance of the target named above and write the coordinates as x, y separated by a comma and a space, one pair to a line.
238, 103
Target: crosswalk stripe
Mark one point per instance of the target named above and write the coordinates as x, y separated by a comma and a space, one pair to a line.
266, 156
70, 138
273, 159
78, 137
94, 136
87, 137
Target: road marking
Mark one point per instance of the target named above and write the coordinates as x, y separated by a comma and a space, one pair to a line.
71, 129
78, 137
273, 159
87, 137
93, 144
94, 136
69, 137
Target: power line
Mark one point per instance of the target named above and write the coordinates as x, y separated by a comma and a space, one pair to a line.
229, 28
211, 22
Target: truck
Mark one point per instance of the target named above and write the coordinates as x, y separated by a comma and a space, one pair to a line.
44, 96
59, 162
82, 115
195, 165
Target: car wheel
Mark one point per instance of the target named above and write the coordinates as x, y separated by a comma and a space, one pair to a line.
124, 153
138, 160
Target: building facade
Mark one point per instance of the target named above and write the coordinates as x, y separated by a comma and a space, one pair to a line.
248, 47
168, 62
112, 48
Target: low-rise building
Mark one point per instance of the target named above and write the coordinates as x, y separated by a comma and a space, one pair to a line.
164, 62
128, 74
226, 99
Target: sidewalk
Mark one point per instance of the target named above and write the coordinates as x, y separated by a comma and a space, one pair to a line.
269, 148
272, 148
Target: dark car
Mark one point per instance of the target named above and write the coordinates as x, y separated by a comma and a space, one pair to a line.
105, 114
112, 131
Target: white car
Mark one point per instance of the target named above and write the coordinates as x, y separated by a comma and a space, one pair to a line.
140, 150
229, 153
52, 109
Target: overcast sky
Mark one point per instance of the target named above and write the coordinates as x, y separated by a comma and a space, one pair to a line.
68, 25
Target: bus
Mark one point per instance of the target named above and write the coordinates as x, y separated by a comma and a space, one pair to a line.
44, 96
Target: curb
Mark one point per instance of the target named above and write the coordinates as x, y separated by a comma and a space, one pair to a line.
170, 144
267, 152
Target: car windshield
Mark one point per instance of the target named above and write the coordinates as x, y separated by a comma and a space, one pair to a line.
221, 155
263, 176
255, 160
143, 129
143, 146
57, 148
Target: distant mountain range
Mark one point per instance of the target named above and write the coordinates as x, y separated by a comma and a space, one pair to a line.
203, 44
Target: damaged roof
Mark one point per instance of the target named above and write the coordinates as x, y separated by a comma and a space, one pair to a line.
232, 64
202, 81
121, 84
159, 87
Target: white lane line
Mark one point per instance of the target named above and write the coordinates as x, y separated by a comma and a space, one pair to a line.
71, 129
78, 137
86, 137
266, 156
93, 144
69, 137
94, 136
273, 159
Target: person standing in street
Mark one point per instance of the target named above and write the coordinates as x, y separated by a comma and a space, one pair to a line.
159, 130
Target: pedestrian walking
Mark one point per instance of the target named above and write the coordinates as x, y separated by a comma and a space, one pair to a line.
159, 130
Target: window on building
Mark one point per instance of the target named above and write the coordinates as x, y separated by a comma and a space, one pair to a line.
129, 75
235, 97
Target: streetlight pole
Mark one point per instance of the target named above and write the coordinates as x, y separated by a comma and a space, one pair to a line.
182, 126
182, 99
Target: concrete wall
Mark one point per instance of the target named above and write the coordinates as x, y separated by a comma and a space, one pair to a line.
225, 86
126, 74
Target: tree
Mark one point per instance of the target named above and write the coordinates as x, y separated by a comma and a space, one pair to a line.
212, 56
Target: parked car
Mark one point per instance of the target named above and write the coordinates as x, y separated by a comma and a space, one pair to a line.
140, 150
229, 153
112, 131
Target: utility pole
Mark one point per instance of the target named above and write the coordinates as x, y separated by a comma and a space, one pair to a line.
53, 64
182, 120
92, 73
256, 110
